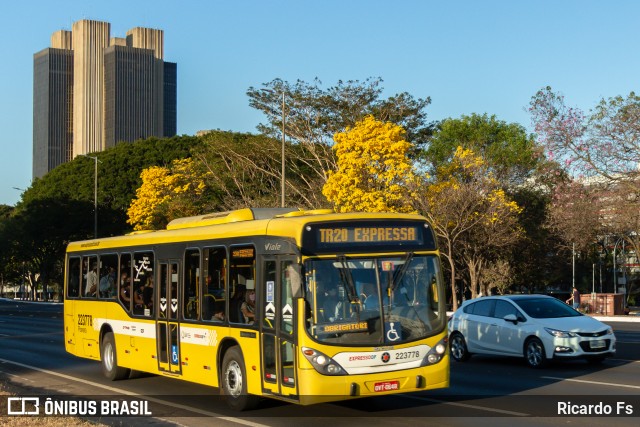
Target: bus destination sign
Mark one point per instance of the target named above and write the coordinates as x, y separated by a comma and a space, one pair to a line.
366, 235
405, 234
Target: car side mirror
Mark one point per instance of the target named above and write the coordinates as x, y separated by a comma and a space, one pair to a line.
511, 318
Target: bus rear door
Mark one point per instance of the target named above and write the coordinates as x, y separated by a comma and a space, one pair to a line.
168, 329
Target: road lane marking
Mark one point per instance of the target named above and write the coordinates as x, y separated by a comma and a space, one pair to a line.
17, 376
466, 405
44, 334
130, 393
594, 382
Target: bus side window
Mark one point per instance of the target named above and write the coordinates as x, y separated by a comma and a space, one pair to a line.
73, 278
191, 284
108, 276
90, 275
142, 271
124, 281
214, 295
242, 273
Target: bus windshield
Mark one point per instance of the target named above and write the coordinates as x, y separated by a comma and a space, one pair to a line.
373, 301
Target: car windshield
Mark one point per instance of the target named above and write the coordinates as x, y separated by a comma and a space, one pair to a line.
545, 308
373, 301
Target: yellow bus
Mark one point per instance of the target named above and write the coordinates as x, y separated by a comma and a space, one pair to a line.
301, 306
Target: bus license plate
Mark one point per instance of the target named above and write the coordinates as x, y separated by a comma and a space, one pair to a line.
386, 386
598, 344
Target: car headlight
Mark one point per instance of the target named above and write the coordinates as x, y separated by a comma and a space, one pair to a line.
560, 334
610, 331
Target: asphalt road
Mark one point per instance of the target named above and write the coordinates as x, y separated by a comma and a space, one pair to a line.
484, 390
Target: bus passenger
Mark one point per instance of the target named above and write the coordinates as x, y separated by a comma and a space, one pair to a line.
331, 305
125, 291
108, 283
138, 300
373, 300
248, 307
367, 290
91, 288
235, 304
147, 294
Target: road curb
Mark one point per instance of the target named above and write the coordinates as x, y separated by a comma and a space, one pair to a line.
630, 318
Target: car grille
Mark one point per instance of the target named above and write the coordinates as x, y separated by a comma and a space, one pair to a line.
587, 348
592, 334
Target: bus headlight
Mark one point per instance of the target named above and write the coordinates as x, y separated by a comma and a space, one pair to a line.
436, 353
322, 363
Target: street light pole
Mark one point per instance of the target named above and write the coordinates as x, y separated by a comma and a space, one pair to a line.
282, 180
573, 258
615, 272
95, 195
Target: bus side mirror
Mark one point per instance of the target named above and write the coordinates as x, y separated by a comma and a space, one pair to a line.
296, 280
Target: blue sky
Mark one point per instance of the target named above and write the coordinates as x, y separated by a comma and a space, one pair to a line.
469, 56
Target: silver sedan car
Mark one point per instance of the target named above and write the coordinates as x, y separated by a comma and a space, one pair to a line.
537, 327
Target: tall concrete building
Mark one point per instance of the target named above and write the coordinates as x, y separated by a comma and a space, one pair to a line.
92, 91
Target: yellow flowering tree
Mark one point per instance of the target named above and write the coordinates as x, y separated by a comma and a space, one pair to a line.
167, 193
373, 170
472, 216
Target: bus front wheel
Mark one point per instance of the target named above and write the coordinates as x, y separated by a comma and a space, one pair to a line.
109, 359
234, 381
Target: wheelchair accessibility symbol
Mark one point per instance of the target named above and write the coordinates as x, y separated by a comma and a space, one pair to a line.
392, 333
174, 354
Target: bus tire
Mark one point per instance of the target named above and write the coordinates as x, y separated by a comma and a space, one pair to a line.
234, 381
109, 359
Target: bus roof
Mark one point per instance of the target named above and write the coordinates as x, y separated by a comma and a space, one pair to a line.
282, 222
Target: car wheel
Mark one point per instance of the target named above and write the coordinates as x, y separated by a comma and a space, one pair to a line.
534, 353
458, 348
234, 381
109, 359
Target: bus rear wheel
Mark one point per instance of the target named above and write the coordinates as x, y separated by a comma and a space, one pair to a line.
234, 381
109, 359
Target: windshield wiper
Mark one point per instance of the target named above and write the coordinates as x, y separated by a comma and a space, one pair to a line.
401, 272
347, 278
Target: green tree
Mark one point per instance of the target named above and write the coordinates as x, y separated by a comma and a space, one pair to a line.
59, 208
510, 154
472, 216
313, 115
604, 143
167, 193
118, 178
34, 238
537, 255
374, 172
602, 146
245, 171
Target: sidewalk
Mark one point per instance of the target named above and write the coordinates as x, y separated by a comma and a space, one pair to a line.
633, 316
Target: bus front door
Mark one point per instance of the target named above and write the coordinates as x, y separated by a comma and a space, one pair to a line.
278, 329
168, 328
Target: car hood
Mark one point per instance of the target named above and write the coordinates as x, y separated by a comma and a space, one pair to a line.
573, 324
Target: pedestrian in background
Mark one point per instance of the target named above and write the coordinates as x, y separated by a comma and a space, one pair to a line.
575, 297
